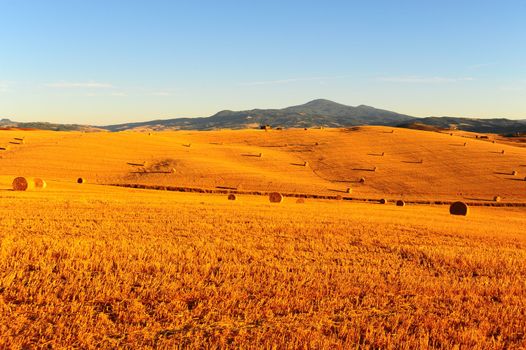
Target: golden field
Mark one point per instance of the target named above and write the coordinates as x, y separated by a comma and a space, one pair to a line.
94, 266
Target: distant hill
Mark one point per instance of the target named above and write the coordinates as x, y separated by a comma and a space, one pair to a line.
498, 126
315, 113
7, 123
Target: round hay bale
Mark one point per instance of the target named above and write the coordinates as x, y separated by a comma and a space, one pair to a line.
22, 184
497, 198
362, 180
375, 168
305, 163
348, 190
232, 197
514, 173
39, 183
400, 203
459, 208
300, 201
382, 201
275, 197
80, 180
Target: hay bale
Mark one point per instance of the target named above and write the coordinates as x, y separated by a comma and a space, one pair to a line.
514, 173
39, 183
382, 201
459, 208
275, 197
300, 201
362, 180
375, 168
400, 203
496, 199
232, 197
22, 184
173, 170
348, 190
81, 180
305, 163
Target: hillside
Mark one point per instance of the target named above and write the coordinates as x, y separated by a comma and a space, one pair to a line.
314, 113
111, 267
414, 165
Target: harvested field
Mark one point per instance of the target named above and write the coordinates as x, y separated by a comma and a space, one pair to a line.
113, 267
161, 259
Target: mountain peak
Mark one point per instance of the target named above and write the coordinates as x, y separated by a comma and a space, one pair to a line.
321, 102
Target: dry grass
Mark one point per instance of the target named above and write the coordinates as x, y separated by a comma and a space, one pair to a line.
93, 266
214, 160
115, 268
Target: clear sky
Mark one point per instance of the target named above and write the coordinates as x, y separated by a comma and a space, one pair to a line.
110, 61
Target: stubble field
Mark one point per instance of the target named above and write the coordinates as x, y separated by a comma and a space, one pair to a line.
93, 266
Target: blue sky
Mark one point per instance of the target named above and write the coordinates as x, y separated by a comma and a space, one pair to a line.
103, 62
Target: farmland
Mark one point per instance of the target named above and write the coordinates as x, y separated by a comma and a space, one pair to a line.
96, 266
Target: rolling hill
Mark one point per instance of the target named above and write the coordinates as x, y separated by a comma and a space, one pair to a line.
316, 113
409, 164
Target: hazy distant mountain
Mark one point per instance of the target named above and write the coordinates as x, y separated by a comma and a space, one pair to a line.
315, 113
312, 114
7, 123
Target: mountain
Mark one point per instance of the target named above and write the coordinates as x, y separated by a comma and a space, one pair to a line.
314, 113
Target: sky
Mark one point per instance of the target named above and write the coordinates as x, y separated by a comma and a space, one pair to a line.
103, 62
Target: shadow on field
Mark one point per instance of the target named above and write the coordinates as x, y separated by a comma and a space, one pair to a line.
334, 190
364, 169
479, 199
